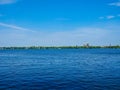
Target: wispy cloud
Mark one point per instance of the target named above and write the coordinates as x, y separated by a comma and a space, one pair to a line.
13, 27
115, 4
2, 2
110, 17
79, 36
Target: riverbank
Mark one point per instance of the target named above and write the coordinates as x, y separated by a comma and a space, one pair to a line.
59, 47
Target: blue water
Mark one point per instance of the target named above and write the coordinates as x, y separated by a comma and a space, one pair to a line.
65, 69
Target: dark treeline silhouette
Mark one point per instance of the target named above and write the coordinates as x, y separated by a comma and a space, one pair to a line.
87, 46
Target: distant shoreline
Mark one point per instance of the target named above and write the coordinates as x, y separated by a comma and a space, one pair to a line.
60, 47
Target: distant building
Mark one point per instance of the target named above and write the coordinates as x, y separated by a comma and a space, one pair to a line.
86, 45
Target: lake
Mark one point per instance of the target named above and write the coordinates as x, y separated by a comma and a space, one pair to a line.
60, 69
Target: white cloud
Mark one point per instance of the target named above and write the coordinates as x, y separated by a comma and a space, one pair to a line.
2, 2
110, 17
115, 4
13, 27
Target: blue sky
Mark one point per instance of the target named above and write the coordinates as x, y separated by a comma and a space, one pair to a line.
59, 22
